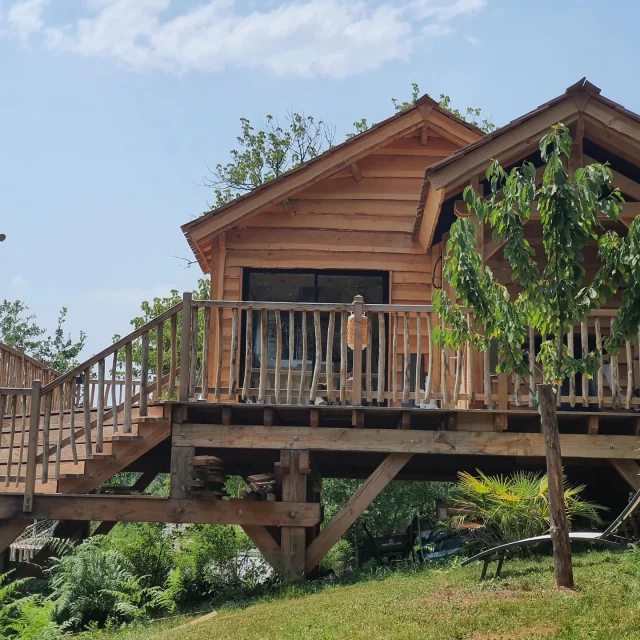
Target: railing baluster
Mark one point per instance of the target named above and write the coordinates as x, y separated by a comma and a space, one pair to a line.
264, 355
173, 357
114, 391
32, 446
318, 362
46, 426
357, 350
206, 336
128, 387
12, 433
72, 420
159, 361
488, 387
185, 347
458, 378
278, 363
329, 359
416, 395
100, 417
394, 359
233, 355
344, 319
193, 354
443, 376
144, 375
60, 433
532, 366
3, 405
23, 429
382, 341
429, 383
584, 342
248, 360
517, 382
369, 361
572, 376
303, 368
600, 374
406, 377
291, 350
220, 348
629, 354
615, 374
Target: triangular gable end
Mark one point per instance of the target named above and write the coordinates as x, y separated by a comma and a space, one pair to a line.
598, 122
396, 150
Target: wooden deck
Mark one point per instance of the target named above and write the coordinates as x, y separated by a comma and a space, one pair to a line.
205, 418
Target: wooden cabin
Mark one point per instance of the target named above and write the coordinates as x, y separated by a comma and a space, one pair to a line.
314, 356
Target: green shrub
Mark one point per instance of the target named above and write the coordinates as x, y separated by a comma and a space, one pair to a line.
93, 584
514, 507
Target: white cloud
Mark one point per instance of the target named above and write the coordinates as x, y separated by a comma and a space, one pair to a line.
306, 38
18, 283
473, 41
26, 17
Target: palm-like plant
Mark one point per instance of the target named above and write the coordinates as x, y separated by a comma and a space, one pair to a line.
514, 507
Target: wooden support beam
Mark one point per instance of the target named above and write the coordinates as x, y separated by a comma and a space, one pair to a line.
265, 543
181, 472
354, 169
152, 509
629, 470
399, 441
361, 499
314, 418
288, 207
424, 135
593, 424
357, 418
293, 538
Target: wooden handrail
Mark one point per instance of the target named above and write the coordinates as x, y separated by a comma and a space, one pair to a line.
116, 346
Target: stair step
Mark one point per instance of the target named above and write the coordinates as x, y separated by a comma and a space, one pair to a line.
125, 437
149, 420
100, 456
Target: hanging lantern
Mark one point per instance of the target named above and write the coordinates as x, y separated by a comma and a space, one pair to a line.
351, 328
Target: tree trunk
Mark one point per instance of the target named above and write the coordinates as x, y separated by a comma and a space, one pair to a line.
559, 525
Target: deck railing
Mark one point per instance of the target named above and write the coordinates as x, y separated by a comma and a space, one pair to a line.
282, 353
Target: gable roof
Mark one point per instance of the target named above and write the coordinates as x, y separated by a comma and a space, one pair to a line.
580, 100
424, 111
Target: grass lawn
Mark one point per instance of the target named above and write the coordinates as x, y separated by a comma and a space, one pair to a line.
446, 603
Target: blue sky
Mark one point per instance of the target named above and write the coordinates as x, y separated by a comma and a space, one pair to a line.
110, 111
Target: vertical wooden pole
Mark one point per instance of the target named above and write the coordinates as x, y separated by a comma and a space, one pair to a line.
293, 539
559, 526
185, 347
358, 304
32, 446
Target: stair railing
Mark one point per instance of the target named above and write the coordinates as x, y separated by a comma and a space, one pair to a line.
54, 436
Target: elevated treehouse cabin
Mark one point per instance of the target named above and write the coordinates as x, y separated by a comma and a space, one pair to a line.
314, 356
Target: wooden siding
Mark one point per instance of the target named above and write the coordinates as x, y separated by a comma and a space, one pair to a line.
360, 218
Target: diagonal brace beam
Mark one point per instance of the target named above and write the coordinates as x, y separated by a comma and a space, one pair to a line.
265, 543
351, 511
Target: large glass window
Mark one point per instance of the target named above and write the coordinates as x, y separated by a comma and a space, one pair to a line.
309, 286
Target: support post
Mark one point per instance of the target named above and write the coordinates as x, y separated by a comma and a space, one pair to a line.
185, 347
32, 447
559, 526
293, 539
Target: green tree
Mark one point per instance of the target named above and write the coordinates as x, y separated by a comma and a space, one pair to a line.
553, 295
151, 309
267, 153
19, 329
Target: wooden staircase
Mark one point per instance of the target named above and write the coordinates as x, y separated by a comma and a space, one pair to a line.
89, 470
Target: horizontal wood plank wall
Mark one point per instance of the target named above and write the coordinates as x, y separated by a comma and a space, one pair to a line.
361, 218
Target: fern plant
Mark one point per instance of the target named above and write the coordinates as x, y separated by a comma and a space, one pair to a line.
514, 507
